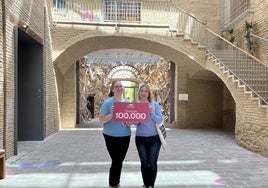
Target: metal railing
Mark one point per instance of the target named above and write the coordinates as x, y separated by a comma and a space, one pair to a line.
259, 37
246, 68
242, 65
98, 11
141, 12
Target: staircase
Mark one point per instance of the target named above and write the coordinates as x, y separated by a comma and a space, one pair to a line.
254, 76
242, 66
247, 79
246, 69
250, 94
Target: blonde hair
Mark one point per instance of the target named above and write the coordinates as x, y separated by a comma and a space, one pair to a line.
150, 96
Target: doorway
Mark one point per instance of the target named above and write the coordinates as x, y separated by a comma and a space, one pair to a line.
90, 104
130, 91
29, 118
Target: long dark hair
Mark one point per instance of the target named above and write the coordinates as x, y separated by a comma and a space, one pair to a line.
111, 93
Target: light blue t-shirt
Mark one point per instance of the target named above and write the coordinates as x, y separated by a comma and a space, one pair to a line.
148, 128
111, 127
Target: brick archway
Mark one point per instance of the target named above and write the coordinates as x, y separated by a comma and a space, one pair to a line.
186, 58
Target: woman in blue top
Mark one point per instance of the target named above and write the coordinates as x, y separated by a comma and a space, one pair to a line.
147, 140
116, 134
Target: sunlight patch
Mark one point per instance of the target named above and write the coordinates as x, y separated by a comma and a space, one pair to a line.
134, 179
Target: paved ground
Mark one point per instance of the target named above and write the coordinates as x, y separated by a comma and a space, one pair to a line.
78, 159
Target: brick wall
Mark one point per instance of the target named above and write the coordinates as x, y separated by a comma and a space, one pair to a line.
205, 10
259, 16
1, 80
205, 105
68, 105
51, 103
251, 118
32, 14
9, 94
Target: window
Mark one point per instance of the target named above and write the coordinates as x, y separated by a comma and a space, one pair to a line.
122, 11
237, 7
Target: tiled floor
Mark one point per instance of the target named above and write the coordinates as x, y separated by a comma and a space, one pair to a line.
78, 159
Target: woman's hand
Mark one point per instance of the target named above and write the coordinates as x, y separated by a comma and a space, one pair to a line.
127, 124
151, 109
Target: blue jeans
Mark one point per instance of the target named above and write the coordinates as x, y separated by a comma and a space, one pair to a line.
148, 150
117, 148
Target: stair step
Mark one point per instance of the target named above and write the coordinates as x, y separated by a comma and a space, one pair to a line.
246, 69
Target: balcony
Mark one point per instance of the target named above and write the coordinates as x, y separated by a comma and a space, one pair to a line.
112, 11
130, 13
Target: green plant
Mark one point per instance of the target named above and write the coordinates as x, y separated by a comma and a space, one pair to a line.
231, 35
249, 27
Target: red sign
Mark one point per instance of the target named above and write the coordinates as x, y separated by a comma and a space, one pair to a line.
130, 112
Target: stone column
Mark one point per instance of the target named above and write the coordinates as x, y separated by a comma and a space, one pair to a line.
181, 82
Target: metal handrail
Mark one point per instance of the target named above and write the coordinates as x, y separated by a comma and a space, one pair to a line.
259, 37
242, 65
152, 13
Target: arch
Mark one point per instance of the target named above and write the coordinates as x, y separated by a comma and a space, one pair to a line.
213, 91
186, 57
122, 71
161, 46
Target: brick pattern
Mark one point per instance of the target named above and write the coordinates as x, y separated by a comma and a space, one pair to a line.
1, 82
259, 16
251, 118
9, 84
32, 14
51, 112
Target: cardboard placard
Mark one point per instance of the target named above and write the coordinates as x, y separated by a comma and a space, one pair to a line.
130, 112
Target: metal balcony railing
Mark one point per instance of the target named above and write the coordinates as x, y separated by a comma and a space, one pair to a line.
154, 13
246, 68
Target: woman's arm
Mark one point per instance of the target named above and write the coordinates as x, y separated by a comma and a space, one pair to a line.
106, 112
105, 118
156, 114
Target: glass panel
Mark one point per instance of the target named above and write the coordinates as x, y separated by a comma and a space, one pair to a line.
122, 11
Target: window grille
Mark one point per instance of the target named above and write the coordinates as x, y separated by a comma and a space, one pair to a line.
128, 11
238, 7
